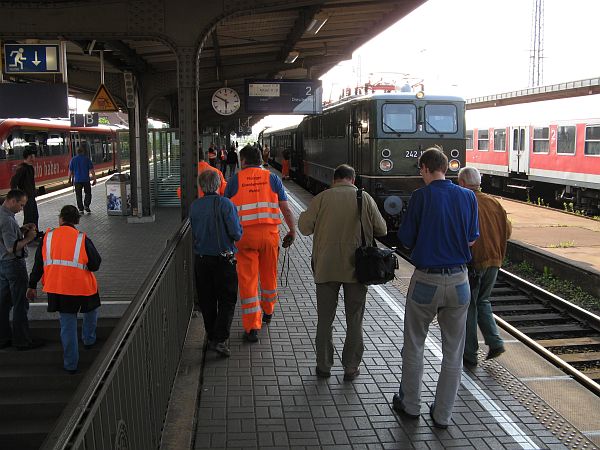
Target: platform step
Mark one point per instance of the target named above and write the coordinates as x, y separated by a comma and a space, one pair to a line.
517, 186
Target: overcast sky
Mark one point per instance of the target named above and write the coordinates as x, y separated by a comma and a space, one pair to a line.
473, 48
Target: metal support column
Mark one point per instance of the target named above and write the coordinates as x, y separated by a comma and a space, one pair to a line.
188, 124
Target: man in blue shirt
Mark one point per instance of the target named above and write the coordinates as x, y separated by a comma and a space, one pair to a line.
80, 168
439, 227
215, 229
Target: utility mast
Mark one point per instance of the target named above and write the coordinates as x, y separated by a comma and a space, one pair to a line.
536, 53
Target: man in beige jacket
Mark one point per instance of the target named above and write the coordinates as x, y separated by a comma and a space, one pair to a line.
333, 218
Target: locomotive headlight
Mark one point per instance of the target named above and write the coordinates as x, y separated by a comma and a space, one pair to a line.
386, 165
386, 153
454, 153
454, 165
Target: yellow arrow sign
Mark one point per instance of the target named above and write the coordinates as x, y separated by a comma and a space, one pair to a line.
103, 101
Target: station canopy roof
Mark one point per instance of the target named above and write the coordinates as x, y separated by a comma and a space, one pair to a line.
319, 34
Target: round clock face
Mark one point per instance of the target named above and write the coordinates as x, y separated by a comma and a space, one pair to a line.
226, 101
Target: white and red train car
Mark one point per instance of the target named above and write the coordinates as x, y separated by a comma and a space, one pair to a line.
555, 160
56, 143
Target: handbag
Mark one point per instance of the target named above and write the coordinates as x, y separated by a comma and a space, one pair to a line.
373, 265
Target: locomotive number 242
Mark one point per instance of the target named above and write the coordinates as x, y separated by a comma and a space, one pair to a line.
413, 153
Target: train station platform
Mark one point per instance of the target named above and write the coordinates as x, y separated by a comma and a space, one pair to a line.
128, 251
267, 395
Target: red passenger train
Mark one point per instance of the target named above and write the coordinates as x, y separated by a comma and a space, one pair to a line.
55, 143
558, 161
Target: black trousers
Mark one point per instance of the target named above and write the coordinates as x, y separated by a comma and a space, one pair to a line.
30, 212
216, 286
87, 188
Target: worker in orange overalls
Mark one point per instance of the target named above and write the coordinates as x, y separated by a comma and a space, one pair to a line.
202, 166
260, 198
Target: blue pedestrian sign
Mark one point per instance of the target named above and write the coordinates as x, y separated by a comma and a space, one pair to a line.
31, 58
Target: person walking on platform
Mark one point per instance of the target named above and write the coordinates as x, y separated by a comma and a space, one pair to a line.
259, 197
223, 159
65, 262
232, 160
333, 218
13, 274
488, 253
80, 168
212, 155
285, 164
266, 154
215, 229
24, 180
202, 167
439, 227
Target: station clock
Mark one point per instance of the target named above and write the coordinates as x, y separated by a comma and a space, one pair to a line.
226, 101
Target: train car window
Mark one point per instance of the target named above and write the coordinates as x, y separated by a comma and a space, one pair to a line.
500, 140
541, 143
483, 140
441, 119
566, 140
399, 118
56, 144
592, 140
469, 137
18, 141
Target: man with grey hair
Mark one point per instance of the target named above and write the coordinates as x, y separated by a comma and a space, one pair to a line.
215, 229
488, 252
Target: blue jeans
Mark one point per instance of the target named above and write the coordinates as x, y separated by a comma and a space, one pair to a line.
13, 286
447, 296
68, 335
480, 313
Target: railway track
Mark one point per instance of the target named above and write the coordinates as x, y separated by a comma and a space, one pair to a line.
560, 331
563, 333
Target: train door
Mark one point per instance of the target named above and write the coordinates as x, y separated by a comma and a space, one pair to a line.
355, 137
519, 154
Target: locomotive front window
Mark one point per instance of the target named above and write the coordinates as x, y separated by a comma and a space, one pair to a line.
399, 118
441, 119
541, 143
566, 140
592, 140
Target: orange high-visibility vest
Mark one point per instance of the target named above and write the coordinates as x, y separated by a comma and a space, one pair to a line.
65, 263
255, 200
202, 166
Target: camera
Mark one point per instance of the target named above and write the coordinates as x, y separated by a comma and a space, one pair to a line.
228, 256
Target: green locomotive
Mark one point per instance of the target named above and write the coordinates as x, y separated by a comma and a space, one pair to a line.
382, 137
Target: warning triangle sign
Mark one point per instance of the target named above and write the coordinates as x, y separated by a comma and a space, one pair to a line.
103, 101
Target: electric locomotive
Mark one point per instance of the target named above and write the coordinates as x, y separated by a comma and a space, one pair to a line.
382, 136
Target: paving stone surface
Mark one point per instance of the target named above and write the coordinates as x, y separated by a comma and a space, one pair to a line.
128, 251
266, 395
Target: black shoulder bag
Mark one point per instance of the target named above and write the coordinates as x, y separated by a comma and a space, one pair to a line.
373, 265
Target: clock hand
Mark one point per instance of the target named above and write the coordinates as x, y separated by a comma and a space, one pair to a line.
221, 98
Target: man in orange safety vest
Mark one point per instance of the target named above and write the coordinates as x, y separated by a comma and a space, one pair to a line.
202, 166
260, 198
64, 262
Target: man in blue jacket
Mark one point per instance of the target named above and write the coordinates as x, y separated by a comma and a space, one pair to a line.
439, 227
215, 229
80, 168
